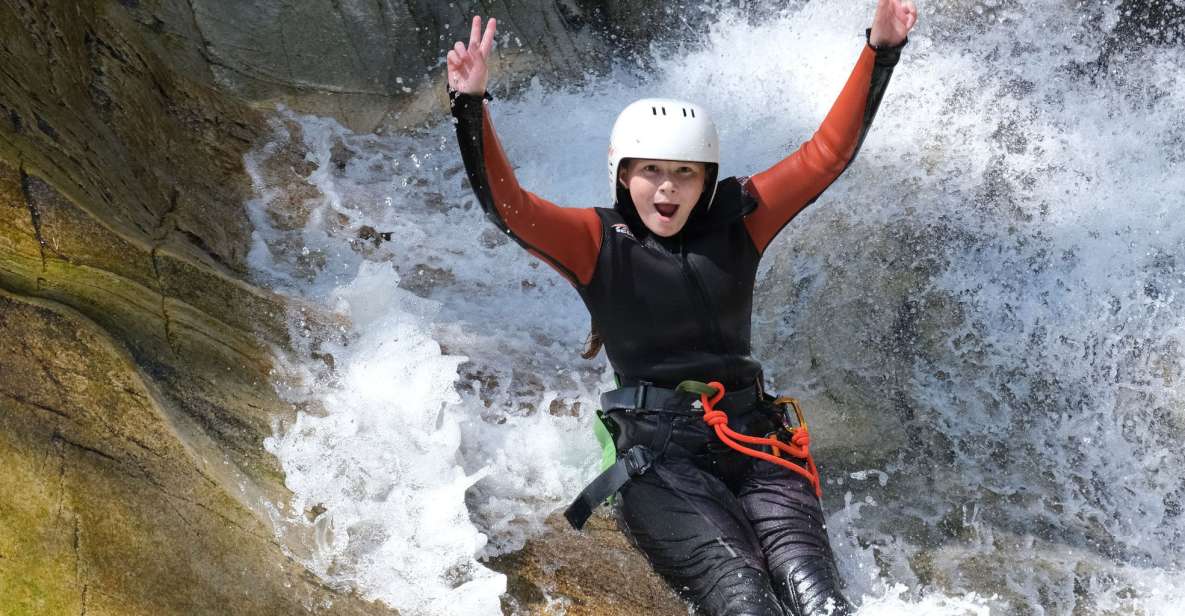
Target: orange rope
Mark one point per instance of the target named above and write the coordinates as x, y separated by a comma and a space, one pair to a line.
799, 447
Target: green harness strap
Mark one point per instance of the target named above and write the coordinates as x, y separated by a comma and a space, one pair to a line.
696, 387
604, 438
608, 450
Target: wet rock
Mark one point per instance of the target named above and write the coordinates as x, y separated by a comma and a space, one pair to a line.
368, 63
315, 511
595, 572
117, 503
135, 353
424, 278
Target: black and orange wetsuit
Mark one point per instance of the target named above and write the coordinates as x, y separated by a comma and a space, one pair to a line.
716, 526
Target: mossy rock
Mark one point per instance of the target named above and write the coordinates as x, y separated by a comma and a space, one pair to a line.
109, 508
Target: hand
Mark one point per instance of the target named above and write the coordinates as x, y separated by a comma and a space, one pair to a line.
467, 71
892, 22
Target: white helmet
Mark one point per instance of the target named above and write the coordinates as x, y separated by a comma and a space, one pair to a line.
663, 129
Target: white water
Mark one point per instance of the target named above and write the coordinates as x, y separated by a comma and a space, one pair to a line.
1018, 225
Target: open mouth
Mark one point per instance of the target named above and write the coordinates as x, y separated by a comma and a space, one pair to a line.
666, 210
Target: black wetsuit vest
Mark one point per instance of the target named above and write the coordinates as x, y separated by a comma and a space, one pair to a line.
677, 308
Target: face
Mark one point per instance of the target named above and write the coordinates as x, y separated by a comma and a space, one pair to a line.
664, 191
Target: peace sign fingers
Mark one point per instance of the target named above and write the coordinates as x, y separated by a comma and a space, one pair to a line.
467, 71
487, 41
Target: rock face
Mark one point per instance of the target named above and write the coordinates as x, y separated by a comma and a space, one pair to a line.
113, 505
121, 192
133, 391
368, 63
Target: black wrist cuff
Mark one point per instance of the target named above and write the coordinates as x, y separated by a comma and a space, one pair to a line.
885, 55
463, 103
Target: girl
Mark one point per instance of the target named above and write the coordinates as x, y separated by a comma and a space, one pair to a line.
667, 275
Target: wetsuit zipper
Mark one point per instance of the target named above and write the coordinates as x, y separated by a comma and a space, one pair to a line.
710, 325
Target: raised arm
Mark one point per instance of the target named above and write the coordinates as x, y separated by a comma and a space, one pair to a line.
568, 239
784, 190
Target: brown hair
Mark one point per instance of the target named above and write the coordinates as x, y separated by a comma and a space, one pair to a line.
593, 345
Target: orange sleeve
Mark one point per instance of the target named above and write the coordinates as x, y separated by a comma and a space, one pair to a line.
568, 239
784, 190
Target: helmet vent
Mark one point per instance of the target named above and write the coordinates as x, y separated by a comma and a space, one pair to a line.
673, 130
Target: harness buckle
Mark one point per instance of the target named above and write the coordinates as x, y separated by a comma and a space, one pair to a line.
640, 394
791, 404
637, 460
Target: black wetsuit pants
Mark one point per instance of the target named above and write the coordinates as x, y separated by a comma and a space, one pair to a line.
730, 533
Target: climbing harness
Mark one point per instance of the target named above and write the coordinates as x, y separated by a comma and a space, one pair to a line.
800, 439
639, 458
